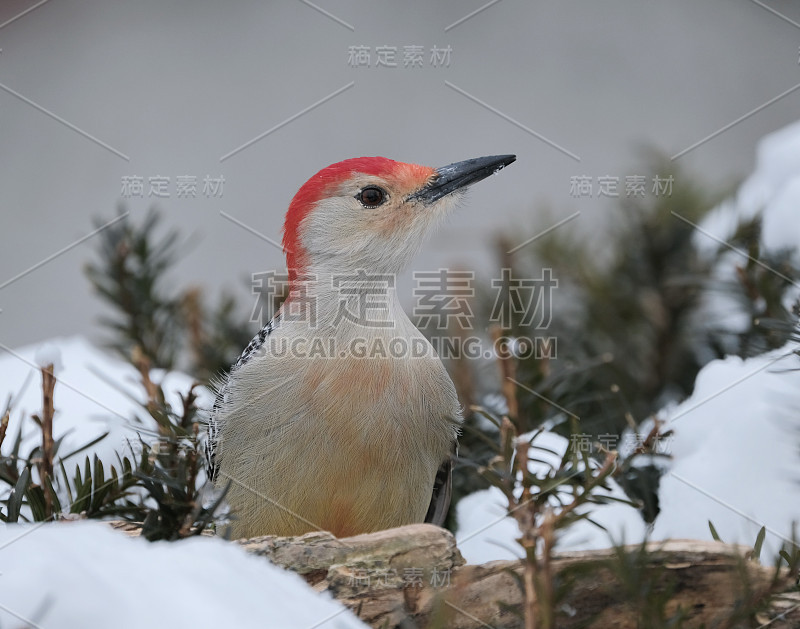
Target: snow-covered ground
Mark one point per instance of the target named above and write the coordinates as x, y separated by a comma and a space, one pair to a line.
86, 575
736, 463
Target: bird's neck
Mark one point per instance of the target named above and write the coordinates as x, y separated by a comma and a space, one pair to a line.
353, 299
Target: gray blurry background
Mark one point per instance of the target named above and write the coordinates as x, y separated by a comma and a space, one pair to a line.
91, 92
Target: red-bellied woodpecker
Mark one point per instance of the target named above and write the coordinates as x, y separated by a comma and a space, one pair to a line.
319, 426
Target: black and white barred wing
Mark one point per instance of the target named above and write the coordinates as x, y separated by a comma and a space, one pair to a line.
223, 400
442, 490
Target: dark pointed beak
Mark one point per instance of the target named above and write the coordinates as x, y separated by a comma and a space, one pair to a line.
460, 175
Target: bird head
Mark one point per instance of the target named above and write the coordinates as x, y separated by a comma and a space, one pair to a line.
373, 213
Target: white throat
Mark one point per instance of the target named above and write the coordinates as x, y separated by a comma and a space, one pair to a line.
359, 302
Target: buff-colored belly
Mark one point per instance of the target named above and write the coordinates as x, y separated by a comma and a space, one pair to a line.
357, 451
345, 494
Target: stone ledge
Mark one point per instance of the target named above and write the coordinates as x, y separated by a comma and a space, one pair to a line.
417, 572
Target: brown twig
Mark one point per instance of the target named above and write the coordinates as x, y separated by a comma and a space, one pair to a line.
524, 508
187, 418
142, 364
4, 426
526, 520
192, 308
650, 443
508, 371
547, 595
46, 463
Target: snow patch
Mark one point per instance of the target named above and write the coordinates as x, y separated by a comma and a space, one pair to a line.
736, 462
84, 574
95, 393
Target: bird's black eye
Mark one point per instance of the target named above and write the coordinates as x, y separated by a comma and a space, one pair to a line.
371, 196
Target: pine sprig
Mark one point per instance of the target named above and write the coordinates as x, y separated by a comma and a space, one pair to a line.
157, 484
